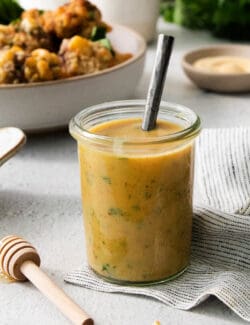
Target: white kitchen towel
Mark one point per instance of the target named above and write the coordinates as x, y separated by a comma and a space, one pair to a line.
220, 262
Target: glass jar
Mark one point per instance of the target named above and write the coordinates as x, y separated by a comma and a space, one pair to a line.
136, 191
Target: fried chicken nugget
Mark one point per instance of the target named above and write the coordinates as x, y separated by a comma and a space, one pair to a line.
81, 56
77, 17
7, 33
11, 65
42, 65
31, 22
30, 33
27, 33
29, 42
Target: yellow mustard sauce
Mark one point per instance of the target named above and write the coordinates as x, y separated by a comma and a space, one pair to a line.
223, 64
137, 207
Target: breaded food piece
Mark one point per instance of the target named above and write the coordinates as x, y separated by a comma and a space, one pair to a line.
77, 17
26, 34
120, 58
11, 65
31, 22
78, 56
103, 54
42, 65
81, 56
30, 42
30, 33
7, 33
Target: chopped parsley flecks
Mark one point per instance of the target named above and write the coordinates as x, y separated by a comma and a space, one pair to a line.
105, 267
147, 195
89, 178
136, 208
122, 158
107, 180
117, 212
108, 268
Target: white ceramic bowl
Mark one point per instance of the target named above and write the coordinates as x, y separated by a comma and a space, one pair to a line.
40, 106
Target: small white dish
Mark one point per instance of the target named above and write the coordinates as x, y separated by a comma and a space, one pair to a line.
225, 83
47, 105
11, 140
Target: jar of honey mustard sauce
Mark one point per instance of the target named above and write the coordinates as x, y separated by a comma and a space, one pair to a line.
136, 190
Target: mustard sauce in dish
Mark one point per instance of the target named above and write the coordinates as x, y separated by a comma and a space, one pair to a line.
223, 64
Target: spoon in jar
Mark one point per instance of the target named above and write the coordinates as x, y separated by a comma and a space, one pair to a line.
163, 53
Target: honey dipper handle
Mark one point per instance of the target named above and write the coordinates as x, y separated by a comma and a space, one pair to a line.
56, 295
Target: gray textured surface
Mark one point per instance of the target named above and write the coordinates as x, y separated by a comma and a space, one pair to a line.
40, 200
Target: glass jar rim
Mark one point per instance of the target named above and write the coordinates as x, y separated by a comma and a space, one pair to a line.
78, 131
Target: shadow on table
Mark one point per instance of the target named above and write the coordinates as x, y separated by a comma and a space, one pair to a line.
213, 307
29, 214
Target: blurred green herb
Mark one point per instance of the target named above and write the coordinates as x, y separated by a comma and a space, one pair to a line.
232, 19
225, 18
10, 11
106, 43
98, 33
167, 10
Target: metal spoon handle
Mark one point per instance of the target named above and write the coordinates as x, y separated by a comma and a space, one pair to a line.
163, 53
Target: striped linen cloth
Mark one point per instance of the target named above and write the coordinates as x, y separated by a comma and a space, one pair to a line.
220, 262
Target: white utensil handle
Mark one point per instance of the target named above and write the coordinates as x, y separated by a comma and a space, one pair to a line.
11, 140
56, 295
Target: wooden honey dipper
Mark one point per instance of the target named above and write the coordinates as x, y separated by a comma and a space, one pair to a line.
20, 260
